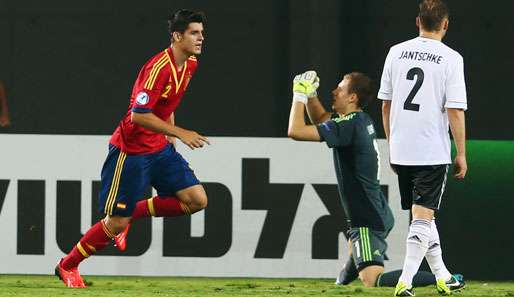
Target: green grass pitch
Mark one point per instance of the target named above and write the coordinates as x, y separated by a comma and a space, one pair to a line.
41, 285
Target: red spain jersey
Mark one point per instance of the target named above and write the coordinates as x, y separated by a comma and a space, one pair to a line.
159, 88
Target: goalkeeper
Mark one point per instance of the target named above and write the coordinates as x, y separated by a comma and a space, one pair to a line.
351, 134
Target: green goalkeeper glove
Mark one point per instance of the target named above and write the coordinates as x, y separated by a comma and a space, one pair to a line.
305, 85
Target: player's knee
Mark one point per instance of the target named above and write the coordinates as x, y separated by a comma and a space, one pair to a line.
203, 202
369, 275
194, 197
368, 280
116, 225
199, 203
421, 212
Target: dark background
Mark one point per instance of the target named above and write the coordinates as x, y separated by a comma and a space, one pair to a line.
69, 66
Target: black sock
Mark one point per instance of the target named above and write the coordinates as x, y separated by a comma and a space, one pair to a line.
390, 279
423, 278
349, 272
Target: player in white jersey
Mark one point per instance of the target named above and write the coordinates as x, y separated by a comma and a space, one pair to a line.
424, 93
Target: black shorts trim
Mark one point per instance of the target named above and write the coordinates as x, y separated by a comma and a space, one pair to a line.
363, 265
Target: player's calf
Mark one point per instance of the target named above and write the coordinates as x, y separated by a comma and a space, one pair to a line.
187, 202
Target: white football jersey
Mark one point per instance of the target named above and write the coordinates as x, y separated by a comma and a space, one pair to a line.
422, 77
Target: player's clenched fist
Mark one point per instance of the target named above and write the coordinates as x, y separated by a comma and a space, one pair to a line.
461, 167
305, 86
192, 139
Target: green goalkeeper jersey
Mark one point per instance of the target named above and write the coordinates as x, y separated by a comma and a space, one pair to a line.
356, 160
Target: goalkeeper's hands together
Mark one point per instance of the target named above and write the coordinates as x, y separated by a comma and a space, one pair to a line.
305, 86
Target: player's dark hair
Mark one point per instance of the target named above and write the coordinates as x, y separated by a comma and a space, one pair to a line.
179, 20
362, 86
432, 13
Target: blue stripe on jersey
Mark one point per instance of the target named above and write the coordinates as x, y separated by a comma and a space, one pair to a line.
141, 110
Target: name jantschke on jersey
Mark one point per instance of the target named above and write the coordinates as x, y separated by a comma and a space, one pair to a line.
422, 77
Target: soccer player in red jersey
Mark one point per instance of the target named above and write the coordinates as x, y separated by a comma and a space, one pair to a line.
140, 153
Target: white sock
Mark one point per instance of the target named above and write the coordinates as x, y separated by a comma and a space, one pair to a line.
417, 245
434, 255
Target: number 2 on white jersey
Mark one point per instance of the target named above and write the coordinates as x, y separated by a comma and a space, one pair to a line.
420, 75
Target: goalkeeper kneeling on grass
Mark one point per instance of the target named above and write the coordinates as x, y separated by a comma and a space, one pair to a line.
350, 133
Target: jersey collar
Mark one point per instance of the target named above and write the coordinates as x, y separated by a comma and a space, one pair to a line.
174, 68
427, 39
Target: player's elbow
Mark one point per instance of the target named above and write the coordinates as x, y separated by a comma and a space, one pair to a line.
136, 118
292, 133
386, 106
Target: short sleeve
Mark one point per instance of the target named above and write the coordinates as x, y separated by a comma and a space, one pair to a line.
337, 132
386, 87
150, 85
456, 86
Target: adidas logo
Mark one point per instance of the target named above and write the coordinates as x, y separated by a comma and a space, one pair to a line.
433, 246
377, 253
414, 237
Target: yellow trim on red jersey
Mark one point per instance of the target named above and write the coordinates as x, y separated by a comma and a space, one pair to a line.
82, 250
151, 208
150, 86
177, 82
155, 71
193, 58
115, 184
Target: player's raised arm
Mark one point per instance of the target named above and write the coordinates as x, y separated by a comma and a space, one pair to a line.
315, 110
303, 84
298, 130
